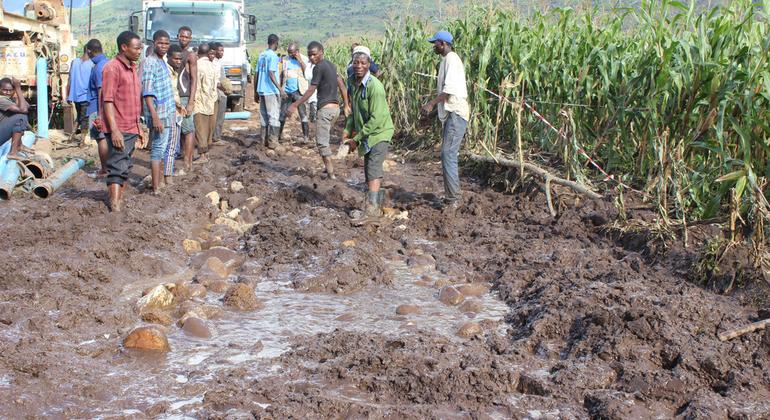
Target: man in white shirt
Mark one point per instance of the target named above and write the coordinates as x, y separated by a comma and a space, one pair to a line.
453, 112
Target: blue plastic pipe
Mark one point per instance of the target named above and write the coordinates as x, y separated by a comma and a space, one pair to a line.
10, 172
243, 115
42, 98
45, 187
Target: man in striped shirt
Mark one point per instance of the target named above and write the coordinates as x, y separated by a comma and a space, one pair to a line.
159, 109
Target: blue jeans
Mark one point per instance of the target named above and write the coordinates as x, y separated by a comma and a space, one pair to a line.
159, 139
452, 137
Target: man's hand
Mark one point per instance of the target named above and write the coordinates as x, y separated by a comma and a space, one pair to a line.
297, 55
157, 124
15, 83
189, 109
117, 140
283, 94
427, 109
291, 109
141, 141
346, 110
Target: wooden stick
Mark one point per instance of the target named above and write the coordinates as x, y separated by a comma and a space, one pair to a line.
498, 160
729, 335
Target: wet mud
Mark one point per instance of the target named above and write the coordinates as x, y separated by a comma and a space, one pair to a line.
265, 302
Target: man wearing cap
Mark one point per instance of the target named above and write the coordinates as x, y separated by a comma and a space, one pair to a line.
453, 112
369, 127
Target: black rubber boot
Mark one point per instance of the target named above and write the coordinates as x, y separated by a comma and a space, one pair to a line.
305, 131
280, 131
272, 135
263, 135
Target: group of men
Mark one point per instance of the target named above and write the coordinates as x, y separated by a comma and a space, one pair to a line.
176, 91
286, 88
179, 93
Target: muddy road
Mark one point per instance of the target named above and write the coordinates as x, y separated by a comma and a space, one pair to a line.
276, 307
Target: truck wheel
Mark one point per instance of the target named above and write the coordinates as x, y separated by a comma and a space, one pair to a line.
237, 105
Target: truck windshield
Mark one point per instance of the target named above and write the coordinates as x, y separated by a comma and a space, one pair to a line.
208, 24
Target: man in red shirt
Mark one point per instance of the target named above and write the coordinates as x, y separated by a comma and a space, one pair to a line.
121, 105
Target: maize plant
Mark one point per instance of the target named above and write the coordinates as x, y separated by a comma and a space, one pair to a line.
670, 98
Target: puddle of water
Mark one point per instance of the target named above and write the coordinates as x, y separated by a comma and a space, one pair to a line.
255, 338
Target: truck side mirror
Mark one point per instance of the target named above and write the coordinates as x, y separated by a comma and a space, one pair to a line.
252, 29
133, 23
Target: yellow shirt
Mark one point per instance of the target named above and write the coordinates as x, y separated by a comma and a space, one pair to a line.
206, 97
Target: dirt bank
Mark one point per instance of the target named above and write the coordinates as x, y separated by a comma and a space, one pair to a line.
588, 327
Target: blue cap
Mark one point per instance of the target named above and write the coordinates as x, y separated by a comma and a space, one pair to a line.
442, 36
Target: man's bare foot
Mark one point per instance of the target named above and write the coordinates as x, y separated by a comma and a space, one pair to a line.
14, 157
202, 159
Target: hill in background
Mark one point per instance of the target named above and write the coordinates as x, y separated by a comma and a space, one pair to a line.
301, 20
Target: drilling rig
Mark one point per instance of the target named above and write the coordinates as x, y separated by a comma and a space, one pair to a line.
42, 31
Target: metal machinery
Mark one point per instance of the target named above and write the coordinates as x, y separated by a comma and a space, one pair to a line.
43, 31
223, 21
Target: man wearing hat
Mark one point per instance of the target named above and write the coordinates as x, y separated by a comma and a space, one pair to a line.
453, 112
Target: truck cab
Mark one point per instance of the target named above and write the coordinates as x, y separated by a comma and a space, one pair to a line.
222, 21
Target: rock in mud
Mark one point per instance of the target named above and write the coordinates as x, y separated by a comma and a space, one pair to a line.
450, 296
473, 289
236, 186
229, 257
191, 246
421, 261
197, 290
474, 306
157, 297
218, 286
215, 266
438, 284
233, 214
196, 327
407, 309
147, 338
213, 197
470, 329
241, 296
154, 316
349, 243
252, 203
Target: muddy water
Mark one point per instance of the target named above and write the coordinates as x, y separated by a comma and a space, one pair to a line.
254, 339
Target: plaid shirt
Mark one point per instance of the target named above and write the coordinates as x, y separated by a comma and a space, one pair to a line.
156, 82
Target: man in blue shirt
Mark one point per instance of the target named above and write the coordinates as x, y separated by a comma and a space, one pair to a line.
94, 50
295, 85
269, 91
80, 74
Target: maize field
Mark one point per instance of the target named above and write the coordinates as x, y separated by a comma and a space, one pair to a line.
670, 99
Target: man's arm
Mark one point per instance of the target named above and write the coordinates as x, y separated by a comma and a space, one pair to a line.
442, 97
344, 91
21, 106
148, 94
192, 67
308, 93
112, 125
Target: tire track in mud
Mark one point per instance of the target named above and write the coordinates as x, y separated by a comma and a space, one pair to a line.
590, 328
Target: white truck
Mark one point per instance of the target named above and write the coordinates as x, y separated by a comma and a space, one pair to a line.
222, 21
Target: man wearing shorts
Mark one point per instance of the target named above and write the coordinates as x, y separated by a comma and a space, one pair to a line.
370, 128
326, 81
160, 110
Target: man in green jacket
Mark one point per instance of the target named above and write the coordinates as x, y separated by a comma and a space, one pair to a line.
369, 127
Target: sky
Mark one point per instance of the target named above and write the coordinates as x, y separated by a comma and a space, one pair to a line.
17, 6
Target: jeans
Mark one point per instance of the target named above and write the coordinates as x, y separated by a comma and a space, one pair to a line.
82, 118
290, 99
452, 137
270, 110
16, 123
159, 139
119, 160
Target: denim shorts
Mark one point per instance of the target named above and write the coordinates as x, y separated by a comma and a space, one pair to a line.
159, 140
